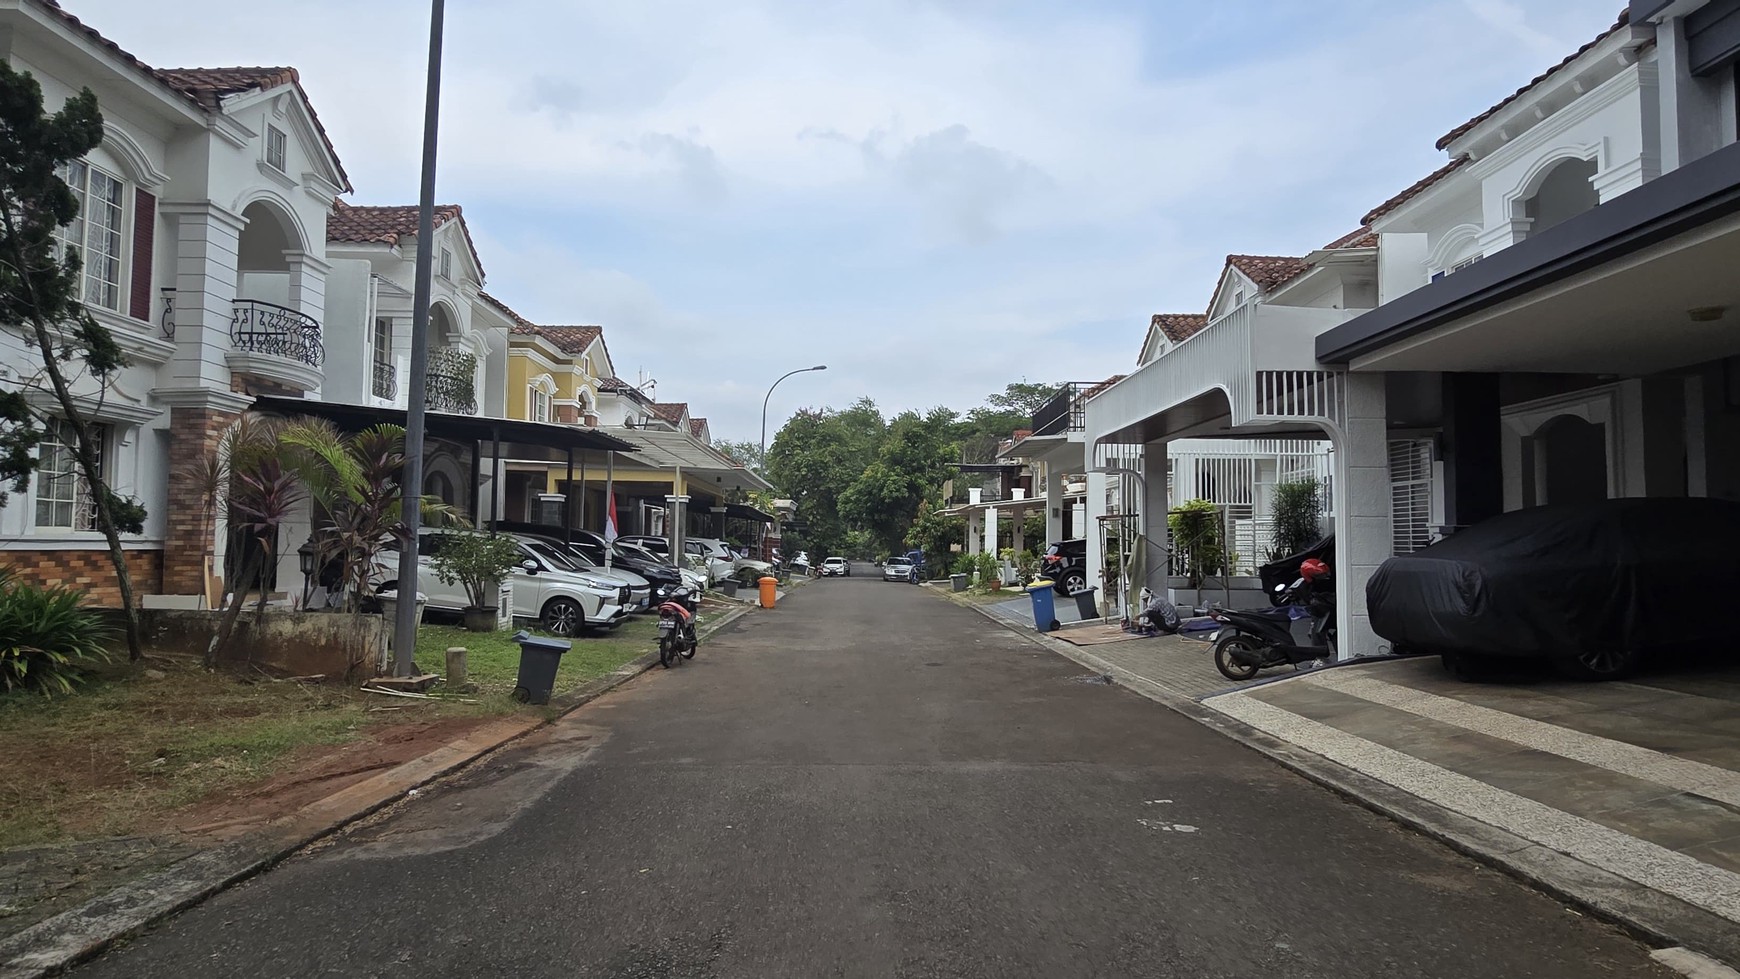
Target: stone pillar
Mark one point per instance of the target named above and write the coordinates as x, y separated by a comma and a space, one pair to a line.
991, 531
1156, 506
207, 241
1362, 509
198, 421
1473, 449
1053, 503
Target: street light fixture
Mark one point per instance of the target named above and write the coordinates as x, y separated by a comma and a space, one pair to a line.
800, 370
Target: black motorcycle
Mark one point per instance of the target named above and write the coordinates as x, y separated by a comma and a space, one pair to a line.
1257, 639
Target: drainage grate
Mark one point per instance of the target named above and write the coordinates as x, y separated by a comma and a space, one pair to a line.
1103, 678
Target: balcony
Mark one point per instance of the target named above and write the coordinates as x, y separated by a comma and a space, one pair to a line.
386, 380
1251, 371
451, 383
1065, 412
275, 343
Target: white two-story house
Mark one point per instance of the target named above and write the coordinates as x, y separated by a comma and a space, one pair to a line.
1558, 308
203, 234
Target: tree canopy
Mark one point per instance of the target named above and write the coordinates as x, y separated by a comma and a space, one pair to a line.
862, 481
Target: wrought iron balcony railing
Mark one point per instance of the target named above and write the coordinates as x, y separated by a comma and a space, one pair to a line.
386, 380
451, 384
268, 328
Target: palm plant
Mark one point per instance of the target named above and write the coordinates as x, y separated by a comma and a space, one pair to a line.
46, 635
355, 480
262, 496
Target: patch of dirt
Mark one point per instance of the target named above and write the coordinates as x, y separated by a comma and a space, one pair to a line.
312, 773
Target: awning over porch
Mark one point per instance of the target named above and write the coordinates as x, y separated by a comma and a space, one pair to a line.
1249, 372
1640, 284
519, 438
659, 449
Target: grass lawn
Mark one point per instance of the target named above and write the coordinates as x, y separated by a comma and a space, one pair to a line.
492, 659
130, 747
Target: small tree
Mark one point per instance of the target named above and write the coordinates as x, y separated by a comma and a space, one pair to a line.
40, 296
1298, 517
476, 563
1197, 537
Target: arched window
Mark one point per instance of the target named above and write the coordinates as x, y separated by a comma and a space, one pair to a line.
1564, 193
438, 485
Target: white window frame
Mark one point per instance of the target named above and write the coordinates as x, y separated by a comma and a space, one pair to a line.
58, 461
95, 285
277, 149
382, 340
447, 264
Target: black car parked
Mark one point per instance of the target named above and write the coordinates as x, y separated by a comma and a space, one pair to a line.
1065, 564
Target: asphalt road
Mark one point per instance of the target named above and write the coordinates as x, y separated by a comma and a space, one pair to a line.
870, 781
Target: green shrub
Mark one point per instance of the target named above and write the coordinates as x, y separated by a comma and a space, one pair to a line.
1298, 518
988, 570
476, 562
47, 636
1198, 540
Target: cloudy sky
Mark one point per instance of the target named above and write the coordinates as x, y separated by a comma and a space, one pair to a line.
933, 197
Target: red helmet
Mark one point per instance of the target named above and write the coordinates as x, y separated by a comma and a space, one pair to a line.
1311, 569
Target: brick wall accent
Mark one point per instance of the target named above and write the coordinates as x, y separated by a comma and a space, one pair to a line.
567, 414
188, 538
88, 570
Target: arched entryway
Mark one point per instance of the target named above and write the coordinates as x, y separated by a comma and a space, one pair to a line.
1563, 193
1570, 461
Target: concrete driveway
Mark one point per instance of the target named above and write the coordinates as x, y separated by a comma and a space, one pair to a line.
868, 781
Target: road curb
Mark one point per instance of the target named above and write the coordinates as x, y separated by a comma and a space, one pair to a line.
77, 935
1646, 914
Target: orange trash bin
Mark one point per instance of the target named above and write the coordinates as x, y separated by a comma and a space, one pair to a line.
769, 591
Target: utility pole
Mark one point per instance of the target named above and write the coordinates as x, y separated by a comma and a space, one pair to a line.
405, 626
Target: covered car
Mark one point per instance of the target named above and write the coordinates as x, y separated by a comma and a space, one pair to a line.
1595, 588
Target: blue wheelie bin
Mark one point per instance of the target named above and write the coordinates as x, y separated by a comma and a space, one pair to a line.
1044, 606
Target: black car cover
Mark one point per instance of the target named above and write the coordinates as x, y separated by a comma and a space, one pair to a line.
1553, 580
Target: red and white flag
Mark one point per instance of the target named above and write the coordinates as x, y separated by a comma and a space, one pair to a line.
610, 521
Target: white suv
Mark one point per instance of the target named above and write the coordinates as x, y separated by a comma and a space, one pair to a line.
560, 597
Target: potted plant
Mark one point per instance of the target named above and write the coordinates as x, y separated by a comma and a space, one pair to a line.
476, 563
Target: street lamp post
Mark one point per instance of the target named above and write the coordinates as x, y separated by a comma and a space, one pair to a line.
405, 623
764, 401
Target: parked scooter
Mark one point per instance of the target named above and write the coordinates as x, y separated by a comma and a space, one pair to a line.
1256, 639
677, 627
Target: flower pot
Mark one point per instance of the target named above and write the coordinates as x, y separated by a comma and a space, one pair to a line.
480, 619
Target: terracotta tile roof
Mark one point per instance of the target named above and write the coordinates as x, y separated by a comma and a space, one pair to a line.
390, 224
697, 426
1362, 237
568, 339
208, 86
1462, 130
505, 309
1178, 326
672, 412
1100, 387
195, 84
1267, 271
1416, 189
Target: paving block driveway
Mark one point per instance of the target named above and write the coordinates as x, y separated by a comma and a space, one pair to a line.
870, 782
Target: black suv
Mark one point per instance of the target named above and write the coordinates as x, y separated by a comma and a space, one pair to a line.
1065, 563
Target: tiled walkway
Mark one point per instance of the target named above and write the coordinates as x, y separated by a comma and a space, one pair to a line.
1640, 779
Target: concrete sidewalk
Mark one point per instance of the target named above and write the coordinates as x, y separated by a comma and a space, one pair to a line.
1622, 797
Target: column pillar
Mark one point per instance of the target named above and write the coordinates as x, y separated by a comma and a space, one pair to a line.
1473, 449
1362, 509
1053, 503
1156, 506
308, 284
197, 423
207, 245
1094, 509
